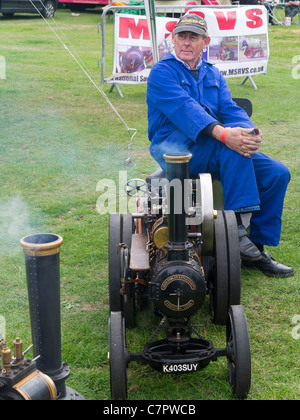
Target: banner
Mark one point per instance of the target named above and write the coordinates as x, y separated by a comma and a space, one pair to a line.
239, 43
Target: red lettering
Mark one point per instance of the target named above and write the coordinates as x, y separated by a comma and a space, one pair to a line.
256, 21
226, 23
128, 24
170, 27
197, 13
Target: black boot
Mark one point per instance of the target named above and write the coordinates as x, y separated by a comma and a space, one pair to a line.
248, 250
269, 266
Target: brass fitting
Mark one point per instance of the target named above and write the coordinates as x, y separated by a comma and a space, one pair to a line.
18, 349
6, 357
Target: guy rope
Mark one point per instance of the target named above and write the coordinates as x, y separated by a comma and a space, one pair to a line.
71, 50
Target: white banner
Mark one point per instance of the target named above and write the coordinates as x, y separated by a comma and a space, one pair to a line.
239, 42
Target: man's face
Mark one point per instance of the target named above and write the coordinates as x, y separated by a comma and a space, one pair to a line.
188, 46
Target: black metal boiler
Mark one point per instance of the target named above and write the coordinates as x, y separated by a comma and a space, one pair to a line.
178, 287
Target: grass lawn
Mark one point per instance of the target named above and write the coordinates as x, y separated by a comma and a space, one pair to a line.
59, 138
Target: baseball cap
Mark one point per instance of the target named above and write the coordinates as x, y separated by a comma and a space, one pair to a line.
191, 23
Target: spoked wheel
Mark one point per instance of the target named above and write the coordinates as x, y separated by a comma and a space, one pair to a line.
226, 278
238, 351
117, 356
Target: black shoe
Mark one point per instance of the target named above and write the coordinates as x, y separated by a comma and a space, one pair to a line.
270, 267
248, 250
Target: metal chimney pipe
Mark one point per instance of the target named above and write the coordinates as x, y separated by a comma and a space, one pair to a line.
43, 282
177, 171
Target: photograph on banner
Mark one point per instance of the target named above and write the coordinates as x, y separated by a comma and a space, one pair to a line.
239, 42
133, 57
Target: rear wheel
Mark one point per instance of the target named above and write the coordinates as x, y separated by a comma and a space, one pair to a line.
129, 297
225, 280
114, 265
219, 289
233, 258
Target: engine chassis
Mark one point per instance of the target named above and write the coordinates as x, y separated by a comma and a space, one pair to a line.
179, 352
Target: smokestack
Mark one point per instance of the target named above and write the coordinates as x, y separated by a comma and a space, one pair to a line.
177, 171
43, 282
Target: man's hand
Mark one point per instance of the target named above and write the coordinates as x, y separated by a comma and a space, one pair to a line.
245, 141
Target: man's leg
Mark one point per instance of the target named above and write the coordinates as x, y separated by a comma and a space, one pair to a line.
265, 226
272, 179
248, 250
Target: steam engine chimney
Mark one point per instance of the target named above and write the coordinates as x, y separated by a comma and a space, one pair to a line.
177, 171
43, 281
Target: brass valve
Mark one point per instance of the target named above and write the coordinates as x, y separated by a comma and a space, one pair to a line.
18, 349
6, 357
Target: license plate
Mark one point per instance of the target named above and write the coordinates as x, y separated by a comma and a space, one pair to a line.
179, 367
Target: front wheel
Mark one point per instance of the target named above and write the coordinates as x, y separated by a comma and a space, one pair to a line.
117, 356
238, 351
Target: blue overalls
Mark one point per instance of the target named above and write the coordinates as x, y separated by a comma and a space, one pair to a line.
179, 108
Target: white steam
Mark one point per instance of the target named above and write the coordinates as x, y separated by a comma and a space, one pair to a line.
14, 224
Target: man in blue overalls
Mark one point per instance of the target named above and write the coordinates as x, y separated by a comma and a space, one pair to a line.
190, 110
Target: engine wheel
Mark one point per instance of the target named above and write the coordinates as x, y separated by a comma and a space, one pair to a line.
117, 356
233, 258
226, 277
219, 289
129, 297
114, 263
238, 352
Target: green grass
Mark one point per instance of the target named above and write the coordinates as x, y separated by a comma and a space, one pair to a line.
59, 138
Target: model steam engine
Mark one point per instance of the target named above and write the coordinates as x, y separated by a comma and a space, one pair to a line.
173, 252
43, 377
